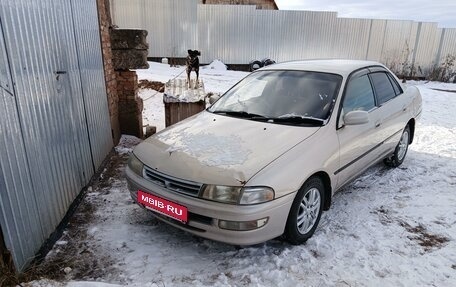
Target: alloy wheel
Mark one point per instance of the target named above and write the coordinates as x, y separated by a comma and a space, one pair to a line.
403, 145
308, 210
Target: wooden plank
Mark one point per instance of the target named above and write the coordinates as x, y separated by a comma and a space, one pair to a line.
176, 112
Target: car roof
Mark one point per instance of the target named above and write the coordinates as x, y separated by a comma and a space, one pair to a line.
336, 66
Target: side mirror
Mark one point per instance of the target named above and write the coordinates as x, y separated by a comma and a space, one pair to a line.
356, 118
213, 98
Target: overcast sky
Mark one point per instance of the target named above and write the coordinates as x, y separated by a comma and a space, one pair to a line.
440, 11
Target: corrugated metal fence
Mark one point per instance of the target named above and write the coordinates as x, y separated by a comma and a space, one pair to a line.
173, 22
54, 120
237, 34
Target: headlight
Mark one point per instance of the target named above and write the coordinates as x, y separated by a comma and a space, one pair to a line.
226, 194
237, 195
252, 195
135, 165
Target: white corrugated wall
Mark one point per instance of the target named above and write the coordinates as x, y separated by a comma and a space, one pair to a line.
237, 34
447, 44
173, 22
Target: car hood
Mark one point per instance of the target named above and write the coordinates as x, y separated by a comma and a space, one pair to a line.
215, 149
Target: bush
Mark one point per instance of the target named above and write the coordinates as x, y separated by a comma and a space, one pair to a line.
445, 72
400, 63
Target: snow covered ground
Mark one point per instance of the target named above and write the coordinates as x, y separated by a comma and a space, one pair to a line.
391, 227
215, 77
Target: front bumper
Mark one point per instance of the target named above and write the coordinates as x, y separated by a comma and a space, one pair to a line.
204, 215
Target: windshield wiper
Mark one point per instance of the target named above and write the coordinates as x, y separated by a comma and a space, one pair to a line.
291, 120
299, 120
282, 119
239, 114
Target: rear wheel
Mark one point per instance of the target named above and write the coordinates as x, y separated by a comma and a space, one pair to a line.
401, 150
305, 211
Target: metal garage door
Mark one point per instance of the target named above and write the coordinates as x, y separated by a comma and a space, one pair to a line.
55, 127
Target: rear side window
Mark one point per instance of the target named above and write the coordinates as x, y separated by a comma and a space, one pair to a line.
359, 95
397, 88
383, 88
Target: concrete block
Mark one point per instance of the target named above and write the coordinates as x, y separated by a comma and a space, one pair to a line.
130, 59
122, 39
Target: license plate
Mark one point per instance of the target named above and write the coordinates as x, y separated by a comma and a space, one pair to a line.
163, 206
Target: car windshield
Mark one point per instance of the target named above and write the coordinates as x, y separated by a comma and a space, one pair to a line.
284, 97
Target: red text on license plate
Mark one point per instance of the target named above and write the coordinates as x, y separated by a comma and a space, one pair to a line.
163, 206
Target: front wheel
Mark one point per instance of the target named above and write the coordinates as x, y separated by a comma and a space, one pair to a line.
401, 150
305, 211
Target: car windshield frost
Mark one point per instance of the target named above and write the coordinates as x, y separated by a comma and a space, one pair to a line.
284, 97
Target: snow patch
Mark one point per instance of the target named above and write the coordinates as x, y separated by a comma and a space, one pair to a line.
216, 65
216, 81
126, 144
211, 150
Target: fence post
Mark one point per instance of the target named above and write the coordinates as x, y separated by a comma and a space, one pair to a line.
439, 51
369, 40
417, 41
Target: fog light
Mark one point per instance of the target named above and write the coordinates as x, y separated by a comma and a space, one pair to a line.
242, 225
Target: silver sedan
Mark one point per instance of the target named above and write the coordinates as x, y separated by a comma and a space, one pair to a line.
266, 158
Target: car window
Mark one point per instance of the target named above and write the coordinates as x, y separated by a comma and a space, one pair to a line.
397, 88
359, 95
253, 88
282, 94
383, 88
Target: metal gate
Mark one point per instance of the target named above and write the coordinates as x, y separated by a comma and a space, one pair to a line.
54, 119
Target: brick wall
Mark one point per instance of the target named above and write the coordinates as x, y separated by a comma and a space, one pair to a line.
130, 105
110, 75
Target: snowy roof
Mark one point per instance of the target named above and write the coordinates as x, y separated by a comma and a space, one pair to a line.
178, 90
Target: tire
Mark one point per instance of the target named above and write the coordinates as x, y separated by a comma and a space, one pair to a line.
266, 62
255, 65
305, 211
401, 150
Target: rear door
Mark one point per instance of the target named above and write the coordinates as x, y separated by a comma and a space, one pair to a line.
393, 108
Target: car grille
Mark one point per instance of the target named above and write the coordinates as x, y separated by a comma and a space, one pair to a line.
172, 183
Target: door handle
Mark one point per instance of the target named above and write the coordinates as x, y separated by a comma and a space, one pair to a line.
378, 124
6, 90
58, 73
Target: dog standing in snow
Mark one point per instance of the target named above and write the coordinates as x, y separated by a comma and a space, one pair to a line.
193, 65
